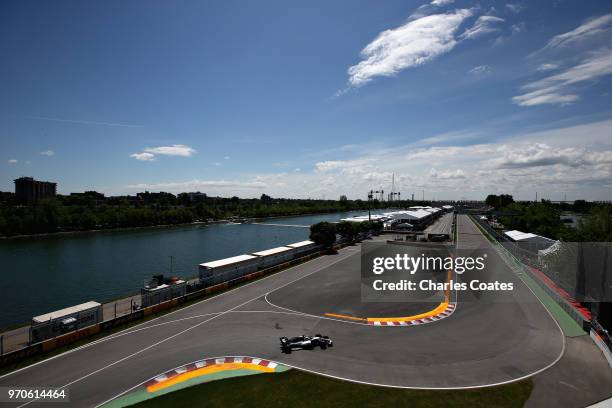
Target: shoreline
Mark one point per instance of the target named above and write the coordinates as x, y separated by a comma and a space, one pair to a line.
161, 226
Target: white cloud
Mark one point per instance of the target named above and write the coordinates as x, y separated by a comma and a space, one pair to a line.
415, 43
482, 26
480, 70
515, 8
143, 156
48, 153
575, 159
541, 154
174, 150
447, 175
215, 164
226, 157
440, 3
330, 165
590, 29
429, 8
544, 97
555, 88
12, 161
547, 67
517, 28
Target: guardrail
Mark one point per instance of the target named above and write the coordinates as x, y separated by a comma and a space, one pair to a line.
505, 247
135, 315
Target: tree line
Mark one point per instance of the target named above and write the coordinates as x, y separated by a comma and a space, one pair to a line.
325, 233
91, 210
544, 218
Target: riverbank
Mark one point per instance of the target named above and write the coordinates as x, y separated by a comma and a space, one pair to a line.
161, 226
118, 229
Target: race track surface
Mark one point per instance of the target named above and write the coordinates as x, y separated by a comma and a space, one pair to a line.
486, 341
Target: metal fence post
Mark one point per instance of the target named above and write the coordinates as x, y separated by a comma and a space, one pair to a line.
115, 310
1, 344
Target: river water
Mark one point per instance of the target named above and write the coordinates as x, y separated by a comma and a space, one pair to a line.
43, 274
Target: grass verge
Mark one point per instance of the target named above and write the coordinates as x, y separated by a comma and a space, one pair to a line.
295, 388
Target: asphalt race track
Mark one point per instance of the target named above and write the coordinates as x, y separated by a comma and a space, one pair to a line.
338, 290
485, 341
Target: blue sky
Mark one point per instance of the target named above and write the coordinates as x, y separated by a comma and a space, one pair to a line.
312, 99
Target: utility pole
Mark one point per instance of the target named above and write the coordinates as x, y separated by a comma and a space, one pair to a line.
370, 196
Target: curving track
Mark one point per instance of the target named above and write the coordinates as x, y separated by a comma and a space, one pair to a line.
484, 342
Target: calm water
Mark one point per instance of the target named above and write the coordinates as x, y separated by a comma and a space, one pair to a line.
39, 275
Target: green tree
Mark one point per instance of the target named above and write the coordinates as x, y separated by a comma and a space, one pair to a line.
499, 201
347, 230
597, 227
323, 233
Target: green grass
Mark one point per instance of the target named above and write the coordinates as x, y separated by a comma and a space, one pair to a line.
296, 388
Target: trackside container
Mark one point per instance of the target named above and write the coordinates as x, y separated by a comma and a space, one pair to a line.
274, 256
227, 269
62, 321
302, 248
155, 294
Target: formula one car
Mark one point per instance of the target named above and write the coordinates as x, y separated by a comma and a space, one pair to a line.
305, 343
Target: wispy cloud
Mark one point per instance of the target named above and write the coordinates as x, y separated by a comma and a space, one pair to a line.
592, 28
515, 8
483, 25
175, 150
12, 161
547, 67
48, 153
415, 43
556, 89
429, 8
480, 70
440, 3
83, 122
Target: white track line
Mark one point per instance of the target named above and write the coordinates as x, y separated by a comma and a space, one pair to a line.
182, 332
399, 386
536, 296
349, 321
122, 332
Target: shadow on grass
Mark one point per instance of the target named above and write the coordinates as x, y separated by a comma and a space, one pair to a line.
296, 389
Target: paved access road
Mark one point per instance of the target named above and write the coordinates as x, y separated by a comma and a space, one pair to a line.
484, 342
